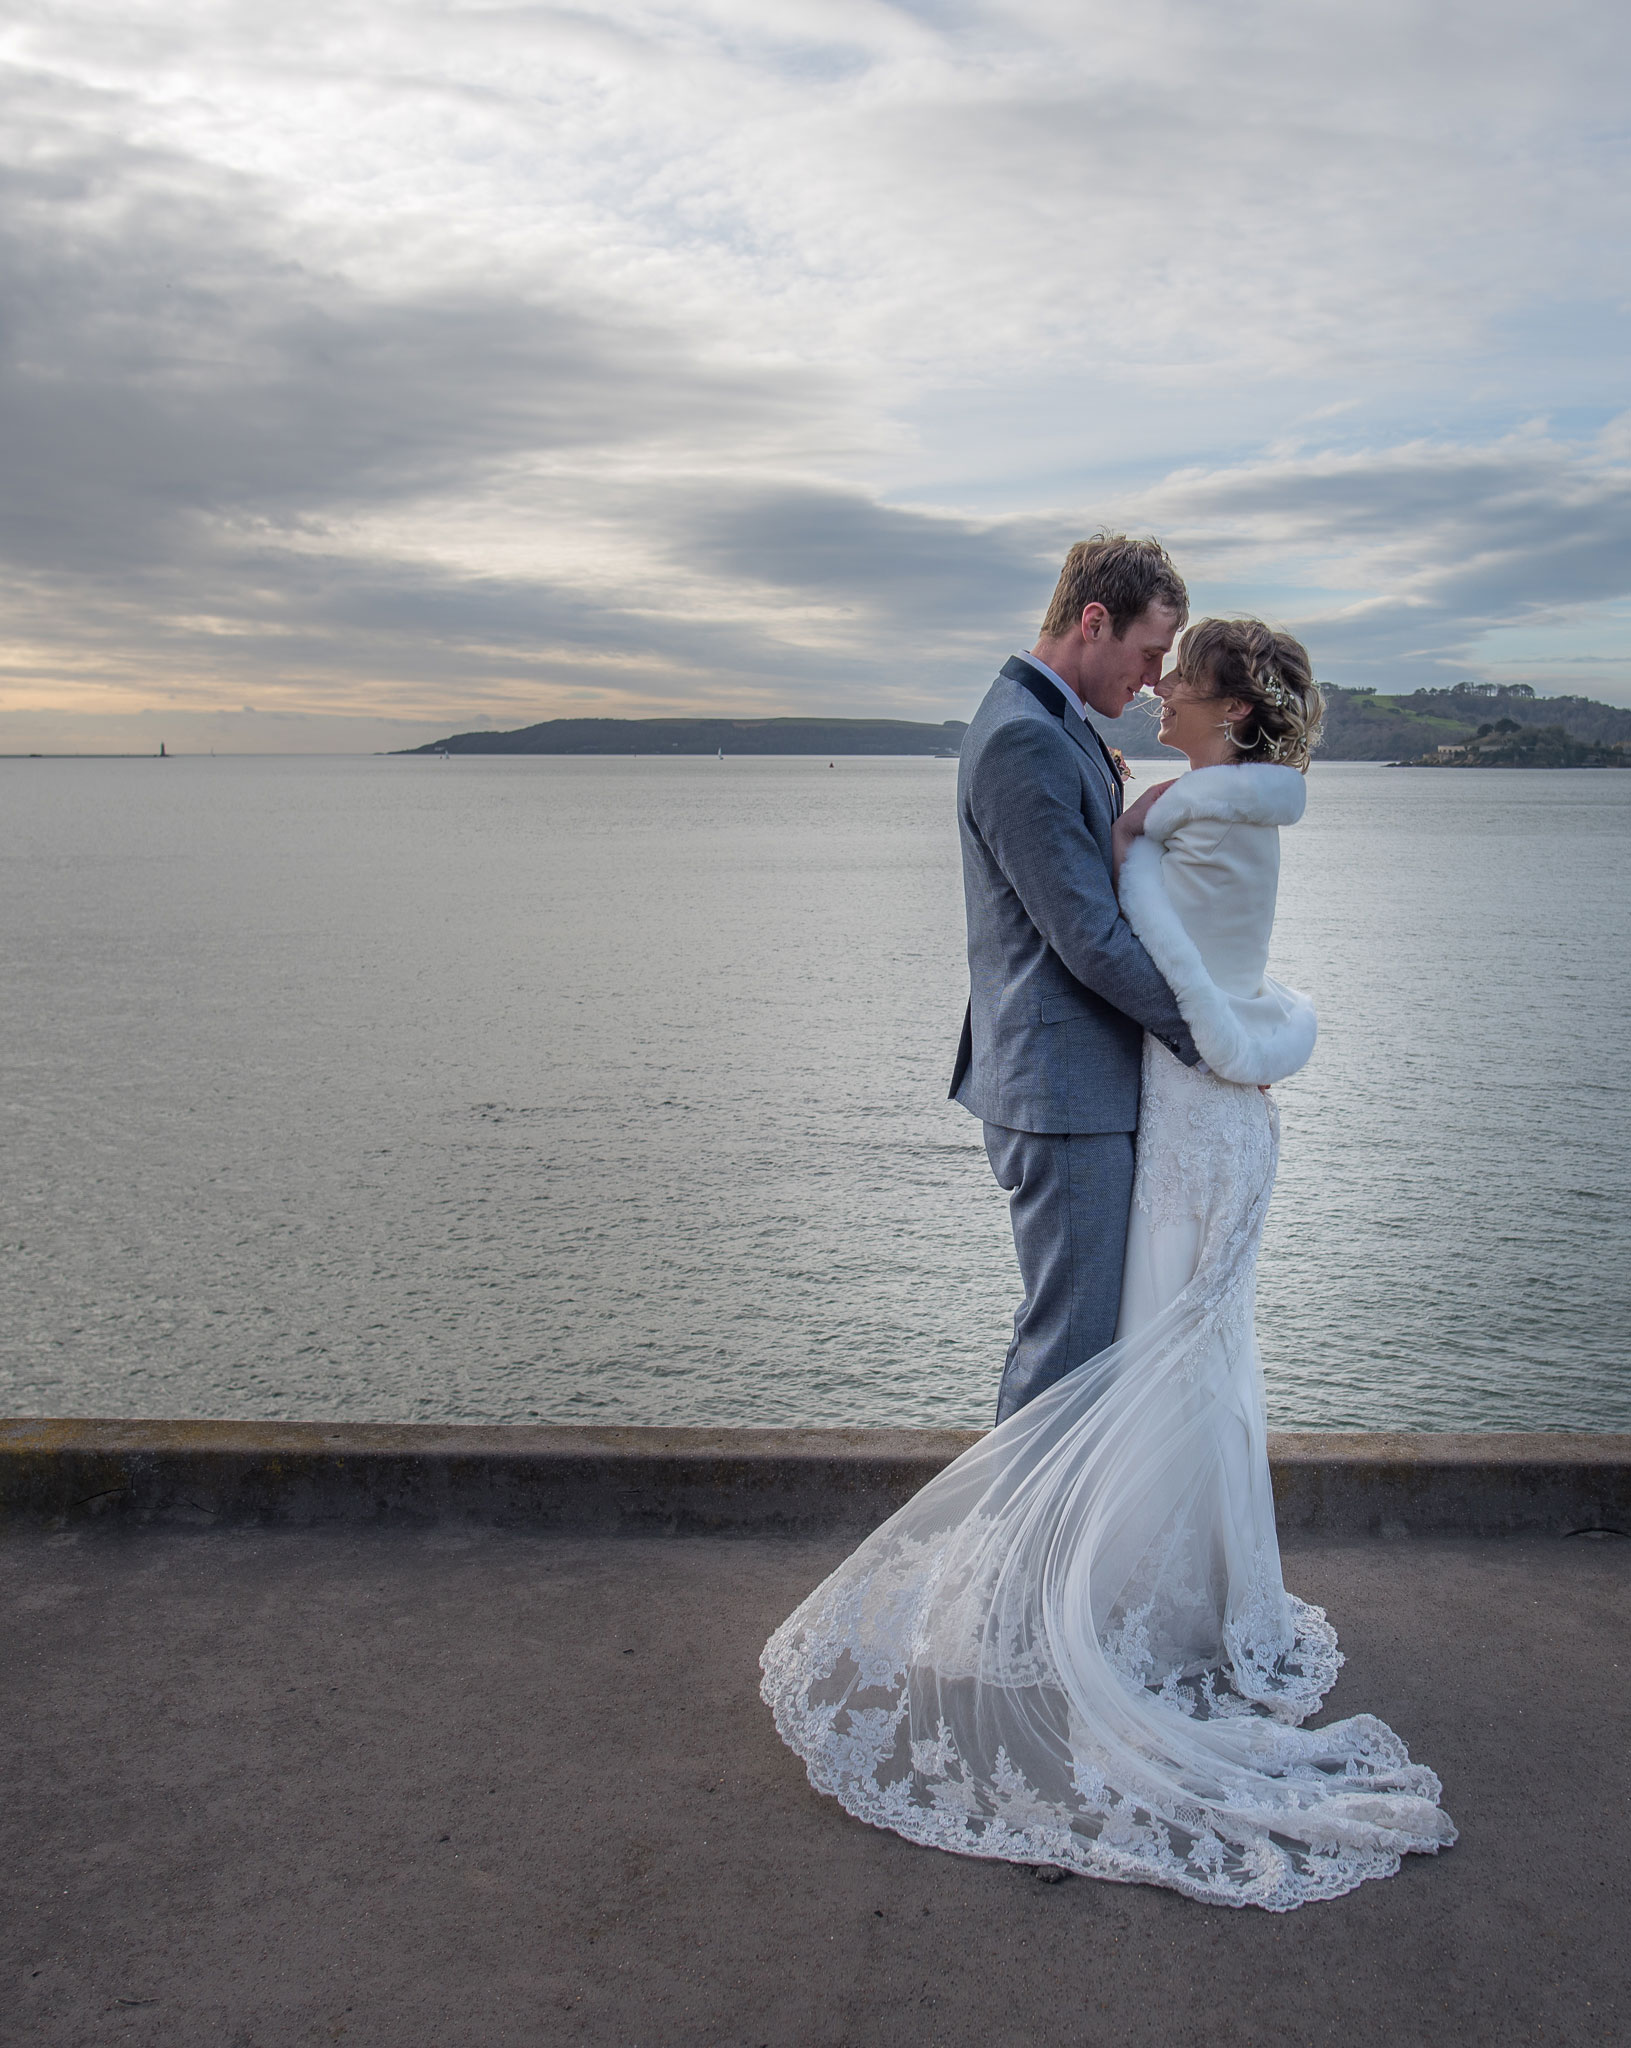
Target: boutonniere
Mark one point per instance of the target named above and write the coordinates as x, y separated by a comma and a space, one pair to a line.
1122, 769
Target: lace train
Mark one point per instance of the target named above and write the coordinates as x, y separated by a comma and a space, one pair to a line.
1074, 1646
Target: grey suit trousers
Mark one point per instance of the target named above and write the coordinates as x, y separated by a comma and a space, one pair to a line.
1068, 1197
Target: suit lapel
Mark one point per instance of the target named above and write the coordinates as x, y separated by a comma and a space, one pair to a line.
1048, 694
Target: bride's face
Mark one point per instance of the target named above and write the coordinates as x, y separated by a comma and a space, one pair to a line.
1192, 719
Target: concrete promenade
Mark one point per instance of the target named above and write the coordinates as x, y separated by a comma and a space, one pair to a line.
426, 1780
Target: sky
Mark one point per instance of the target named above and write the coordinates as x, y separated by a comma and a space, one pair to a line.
373, 371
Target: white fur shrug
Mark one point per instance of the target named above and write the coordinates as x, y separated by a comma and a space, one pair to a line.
1199, 888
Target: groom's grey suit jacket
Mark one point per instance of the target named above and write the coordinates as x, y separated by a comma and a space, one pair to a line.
1061, 991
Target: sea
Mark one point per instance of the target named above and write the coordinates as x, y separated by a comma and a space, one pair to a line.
614, 1090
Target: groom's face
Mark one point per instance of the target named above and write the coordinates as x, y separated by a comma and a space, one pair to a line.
1113, 671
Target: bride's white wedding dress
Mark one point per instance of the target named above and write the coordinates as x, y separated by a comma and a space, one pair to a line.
1074, 1647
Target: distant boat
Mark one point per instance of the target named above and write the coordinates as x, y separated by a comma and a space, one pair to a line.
722, 753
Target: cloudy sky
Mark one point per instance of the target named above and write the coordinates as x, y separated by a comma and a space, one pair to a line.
380, 368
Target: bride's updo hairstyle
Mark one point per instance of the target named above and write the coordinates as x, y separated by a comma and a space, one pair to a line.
1271, 672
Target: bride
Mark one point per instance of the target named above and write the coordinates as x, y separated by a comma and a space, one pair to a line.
1074, 1647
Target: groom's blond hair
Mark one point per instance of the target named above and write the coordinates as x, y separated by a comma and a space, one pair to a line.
1125, 576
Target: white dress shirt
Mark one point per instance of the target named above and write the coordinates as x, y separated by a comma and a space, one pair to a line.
1070, 695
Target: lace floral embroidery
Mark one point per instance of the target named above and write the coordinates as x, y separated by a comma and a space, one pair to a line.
1203, 1143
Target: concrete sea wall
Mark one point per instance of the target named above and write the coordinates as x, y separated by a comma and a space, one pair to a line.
66, 1473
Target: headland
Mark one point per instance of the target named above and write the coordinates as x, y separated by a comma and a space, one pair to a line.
1506, 744
646, 736
1360, 725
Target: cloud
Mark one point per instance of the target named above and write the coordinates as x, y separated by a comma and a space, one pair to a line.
1413, 554
398, 360
895, 570
168, 361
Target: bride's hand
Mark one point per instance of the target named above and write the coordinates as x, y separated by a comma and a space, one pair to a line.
1130, 824
1131, 821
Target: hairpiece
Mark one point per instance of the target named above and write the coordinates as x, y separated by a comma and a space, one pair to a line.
1271, 689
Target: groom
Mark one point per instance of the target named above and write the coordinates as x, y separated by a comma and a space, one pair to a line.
1061, 992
